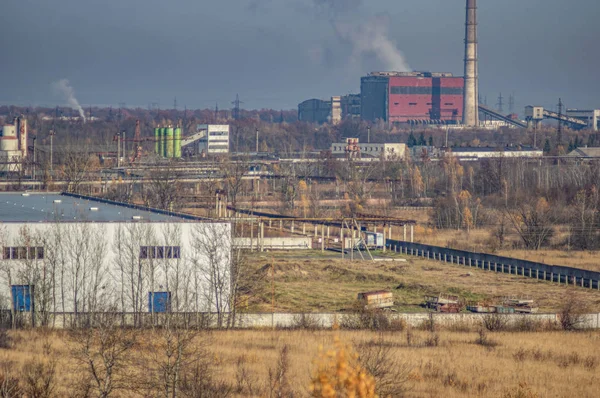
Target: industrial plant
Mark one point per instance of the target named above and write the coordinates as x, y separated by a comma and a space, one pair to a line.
13, 145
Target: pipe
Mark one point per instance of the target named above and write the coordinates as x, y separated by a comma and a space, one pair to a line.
470, 109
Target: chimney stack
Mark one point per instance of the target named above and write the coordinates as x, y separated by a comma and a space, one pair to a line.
471, 92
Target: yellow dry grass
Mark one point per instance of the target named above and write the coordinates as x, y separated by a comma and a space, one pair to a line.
544, 364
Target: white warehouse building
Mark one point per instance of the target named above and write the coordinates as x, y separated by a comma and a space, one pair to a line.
70, 254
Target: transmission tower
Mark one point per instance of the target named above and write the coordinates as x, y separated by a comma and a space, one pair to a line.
175, 104
216, 112
560, 109
236, 107
500, 104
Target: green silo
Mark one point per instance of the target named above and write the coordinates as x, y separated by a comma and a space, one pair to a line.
177, 143
161, 142
169, 142
156, 140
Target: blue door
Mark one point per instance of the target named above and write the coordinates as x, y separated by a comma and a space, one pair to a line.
159, 301
21, 295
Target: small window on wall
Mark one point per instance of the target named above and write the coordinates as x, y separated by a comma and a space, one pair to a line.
23, 253
161, 252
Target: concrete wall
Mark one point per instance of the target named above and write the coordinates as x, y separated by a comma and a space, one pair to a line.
322, 320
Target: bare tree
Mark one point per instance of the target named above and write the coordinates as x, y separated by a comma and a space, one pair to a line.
103, 354
212, 263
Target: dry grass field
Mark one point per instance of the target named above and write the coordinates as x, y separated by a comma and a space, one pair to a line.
422, 363
313, 282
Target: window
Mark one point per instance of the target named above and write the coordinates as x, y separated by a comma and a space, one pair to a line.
412, 103
448, 103
147, 252
23, 253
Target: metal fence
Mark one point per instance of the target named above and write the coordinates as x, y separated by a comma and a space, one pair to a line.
506, 265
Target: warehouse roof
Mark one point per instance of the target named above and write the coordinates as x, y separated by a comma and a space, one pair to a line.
51, 207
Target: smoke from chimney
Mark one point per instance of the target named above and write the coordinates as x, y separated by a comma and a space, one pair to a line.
63, 87
368, 36
471, 91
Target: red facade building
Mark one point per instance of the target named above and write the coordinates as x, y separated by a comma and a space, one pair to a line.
412, 97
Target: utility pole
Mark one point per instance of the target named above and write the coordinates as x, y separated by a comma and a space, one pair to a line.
216, 112
511, 104
256, 140
118, 149
175, 104
34, 138
369, 134
51, 147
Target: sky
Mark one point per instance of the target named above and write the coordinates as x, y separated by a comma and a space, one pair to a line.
277, 53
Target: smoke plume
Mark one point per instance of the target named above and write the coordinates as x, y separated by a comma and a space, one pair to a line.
64, 88
370, 37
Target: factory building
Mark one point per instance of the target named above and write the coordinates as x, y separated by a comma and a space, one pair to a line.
332, 111
13, 145
412, 97
314, 111
71, 254
352, 148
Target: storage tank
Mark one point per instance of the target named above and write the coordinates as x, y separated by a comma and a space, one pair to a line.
156, 140
169, 142
177, 143
161, 142
8, 141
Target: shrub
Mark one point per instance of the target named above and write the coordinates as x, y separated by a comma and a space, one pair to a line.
495, 322
338, 374
39, 379
5, 340
381, 360
9, 384
305, 321
572, 313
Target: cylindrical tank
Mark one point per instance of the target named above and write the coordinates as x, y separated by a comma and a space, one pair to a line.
161, 141
156, 140
169, 142
177, 143
8, 141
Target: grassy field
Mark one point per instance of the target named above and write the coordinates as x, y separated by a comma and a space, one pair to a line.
440, 364
313, 282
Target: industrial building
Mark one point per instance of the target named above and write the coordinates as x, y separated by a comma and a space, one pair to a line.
72, 254
591, 117
209, 139
331, 111
13, 145
352, 148
412, 97
476, 153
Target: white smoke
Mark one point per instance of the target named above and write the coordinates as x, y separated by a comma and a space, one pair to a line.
367, 38
371, 37
64, 88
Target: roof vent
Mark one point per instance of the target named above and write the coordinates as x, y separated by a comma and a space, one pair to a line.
57, 201
25, 194
93, 209
137, 217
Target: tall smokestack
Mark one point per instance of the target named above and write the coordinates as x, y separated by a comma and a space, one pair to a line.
471, 101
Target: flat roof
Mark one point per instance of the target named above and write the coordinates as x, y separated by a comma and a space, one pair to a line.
52, 207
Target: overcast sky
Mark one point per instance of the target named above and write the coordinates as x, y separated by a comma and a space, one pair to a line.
276, 53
